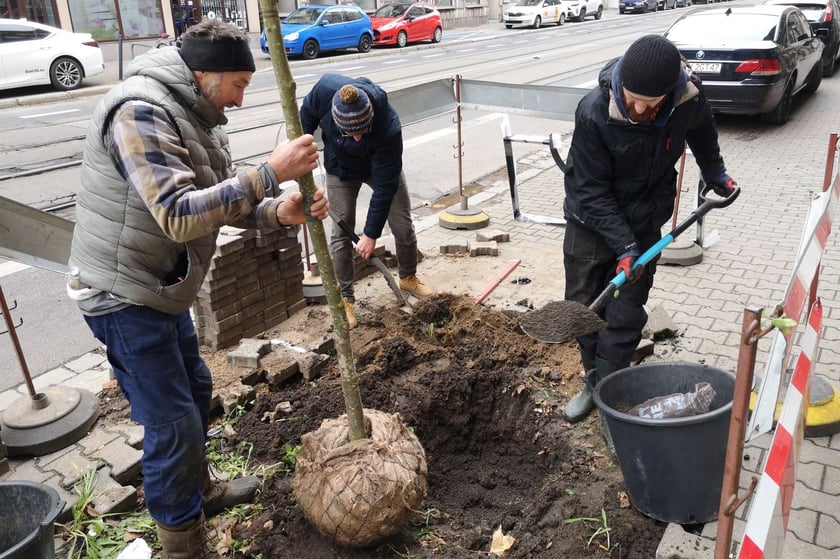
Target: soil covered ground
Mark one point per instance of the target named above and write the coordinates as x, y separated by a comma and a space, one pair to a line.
485, 401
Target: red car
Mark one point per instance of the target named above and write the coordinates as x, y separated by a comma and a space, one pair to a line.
405, 22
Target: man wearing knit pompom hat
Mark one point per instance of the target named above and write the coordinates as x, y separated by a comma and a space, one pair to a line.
363, 144
157, 184
620, 185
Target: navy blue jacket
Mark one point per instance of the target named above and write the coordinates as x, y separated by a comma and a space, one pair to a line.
376, 159
620, 178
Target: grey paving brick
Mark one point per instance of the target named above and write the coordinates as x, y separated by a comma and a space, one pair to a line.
123, 459
94, 441
8, 397
90, 380
110, 497
50, 378
71, 466
26, 470
132, 432
91, 360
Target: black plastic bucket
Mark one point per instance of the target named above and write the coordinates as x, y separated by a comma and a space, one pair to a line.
27, 520
673, 468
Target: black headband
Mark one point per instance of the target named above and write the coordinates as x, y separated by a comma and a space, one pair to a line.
217, 55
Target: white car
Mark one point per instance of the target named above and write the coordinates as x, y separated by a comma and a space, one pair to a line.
535, 13
579, 9
36, 54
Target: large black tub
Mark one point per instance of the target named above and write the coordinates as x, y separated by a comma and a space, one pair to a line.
27, 520
673, 468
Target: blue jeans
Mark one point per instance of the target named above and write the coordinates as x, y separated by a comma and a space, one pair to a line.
159, 369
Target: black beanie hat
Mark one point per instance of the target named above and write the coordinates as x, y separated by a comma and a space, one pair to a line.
651, 66
224, 54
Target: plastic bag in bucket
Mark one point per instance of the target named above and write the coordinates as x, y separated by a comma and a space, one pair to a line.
673, 468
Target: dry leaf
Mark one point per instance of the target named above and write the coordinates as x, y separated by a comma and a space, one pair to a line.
269, 525
501, 543
229, 430
623, 500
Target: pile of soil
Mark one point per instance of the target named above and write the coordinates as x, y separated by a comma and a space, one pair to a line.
485, 401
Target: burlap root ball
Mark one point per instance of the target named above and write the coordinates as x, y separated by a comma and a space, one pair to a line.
359, 493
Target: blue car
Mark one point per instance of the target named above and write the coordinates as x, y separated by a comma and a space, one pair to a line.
310, 30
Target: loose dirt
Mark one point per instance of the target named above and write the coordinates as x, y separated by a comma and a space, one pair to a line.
485, 400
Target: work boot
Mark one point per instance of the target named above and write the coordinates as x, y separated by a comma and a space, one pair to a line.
185, 541
218, 495
350, 311
581, 403
416, 287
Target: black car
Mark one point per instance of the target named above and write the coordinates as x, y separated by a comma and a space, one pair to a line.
823, 16
751, 59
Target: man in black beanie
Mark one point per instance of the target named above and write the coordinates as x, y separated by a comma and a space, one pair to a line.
157, 184
620, 181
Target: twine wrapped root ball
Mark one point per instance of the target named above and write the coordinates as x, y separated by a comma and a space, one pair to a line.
361, 492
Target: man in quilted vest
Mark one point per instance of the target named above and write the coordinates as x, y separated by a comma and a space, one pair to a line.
157, 184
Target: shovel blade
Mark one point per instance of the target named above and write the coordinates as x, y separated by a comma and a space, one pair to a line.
561, 321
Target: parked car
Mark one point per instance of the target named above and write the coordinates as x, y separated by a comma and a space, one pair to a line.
534, 13
310, 30
579, 9
666, 4
751, 59
405, 22
682, 3
32, 53
643, 6
824, 17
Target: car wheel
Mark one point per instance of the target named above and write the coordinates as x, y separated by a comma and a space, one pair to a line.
562, 19
828, 68
66, 74
310, 49
402, 39
582, 15
537, 22
599, 12
364, 43
781, 113
508, 26
814, 78
438, 35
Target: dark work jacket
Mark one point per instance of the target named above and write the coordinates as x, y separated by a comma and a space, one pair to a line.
377, 159
620, 178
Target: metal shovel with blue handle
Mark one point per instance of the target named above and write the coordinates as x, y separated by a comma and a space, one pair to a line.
561, 321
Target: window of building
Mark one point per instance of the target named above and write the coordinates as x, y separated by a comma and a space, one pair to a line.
108, 20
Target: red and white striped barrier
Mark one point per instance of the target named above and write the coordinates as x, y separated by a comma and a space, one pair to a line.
770, 506
816, 233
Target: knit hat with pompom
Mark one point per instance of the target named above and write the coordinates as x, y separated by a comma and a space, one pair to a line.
352, 110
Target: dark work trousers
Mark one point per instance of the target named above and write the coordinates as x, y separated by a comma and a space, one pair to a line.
342, 195
590, 265
159, 369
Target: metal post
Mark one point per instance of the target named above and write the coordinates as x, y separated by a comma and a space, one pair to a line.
750, 333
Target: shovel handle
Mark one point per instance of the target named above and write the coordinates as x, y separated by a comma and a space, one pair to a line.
707, 204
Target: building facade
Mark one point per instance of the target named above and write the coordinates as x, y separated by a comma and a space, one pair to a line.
110, 20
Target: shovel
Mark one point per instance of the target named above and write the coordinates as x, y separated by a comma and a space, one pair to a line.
561, 321
389, 277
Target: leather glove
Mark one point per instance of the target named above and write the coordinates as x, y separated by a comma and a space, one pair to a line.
625, 264
725, 186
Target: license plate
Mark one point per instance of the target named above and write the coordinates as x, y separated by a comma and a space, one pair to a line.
706, 67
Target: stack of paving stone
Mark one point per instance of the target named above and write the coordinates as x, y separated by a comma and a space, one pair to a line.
255, 282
